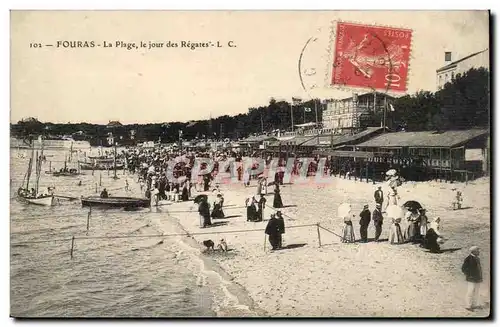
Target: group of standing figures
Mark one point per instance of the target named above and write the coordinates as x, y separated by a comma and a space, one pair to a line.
416, 230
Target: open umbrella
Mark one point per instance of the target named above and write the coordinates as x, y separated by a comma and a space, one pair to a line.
391, 172
412, 205
344, 210
200, 197
394, 211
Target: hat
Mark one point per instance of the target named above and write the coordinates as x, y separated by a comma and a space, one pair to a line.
474, 249
366, 206
380, 186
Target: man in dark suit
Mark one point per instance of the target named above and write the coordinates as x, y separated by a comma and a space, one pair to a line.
473, 275
379, 196
364, 222
377, 221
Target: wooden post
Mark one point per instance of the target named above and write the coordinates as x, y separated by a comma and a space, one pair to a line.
50, 165
265, 239
366, 167
88, 219
72, 246
100, 179
319, 235
93, 170
96, 188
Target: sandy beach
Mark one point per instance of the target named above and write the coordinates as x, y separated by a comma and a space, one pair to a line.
348, 280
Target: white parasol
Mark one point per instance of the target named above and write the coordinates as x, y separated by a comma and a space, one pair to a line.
391, 172
394, 211
344, 210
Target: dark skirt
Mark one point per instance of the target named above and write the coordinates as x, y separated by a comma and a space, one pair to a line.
277, 203
430, 241
217, 212
185, 194
251, 213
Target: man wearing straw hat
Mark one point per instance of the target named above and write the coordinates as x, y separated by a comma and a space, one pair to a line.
473, 275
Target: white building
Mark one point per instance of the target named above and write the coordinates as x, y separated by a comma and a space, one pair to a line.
348, 113
451, 68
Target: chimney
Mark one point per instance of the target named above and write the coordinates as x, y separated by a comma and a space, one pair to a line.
447, 57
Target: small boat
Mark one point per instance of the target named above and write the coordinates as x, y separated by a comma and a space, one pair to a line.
44, 200
100, 166
32, 196
115, 202
65, 173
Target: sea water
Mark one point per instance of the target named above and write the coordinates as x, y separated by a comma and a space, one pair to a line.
107, 277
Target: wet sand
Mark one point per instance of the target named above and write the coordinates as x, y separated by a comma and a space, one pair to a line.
350, 280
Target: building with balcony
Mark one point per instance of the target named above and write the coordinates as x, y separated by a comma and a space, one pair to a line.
350, 113
451, 68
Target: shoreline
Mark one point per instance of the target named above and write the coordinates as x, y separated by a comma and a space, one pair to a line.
306, 281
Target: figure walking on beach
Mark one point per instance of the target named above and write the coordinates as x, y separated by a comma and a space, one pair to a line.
262, 204
251, 209
364, 222
217, 211
413, 230
281, 228
395, 233
204, 211
474, 276
348, 231
379, 196
277, 203
377, 221
272, 231
434, 237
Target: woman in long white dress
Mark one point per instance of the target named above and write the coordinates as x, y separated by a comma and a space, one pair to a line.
348, 231
396, 233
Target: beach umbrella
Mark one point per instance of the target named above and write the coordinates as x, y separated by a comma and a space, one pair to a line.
344, 210
412, 205
394, 211
391, 172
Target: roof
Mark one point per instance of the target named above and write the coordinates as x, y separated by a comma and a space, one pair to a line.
350, 154
454, 63
337, 140
257, 139
366, 94
306, 125
326, 139
114, 123
426, 139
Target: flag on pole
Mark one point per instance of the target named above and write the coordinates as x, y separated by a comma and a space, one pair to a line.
392, 107
307, 109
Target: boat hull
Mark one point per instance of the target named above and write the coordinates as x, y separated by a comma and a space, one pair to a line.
41, 201
115, 202
99, 167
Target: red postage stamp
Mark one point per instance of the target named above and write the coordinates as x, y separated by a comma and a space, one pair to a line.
372, 57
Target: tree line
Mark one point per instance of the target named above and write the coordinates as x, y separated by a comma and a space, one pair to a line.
462, 103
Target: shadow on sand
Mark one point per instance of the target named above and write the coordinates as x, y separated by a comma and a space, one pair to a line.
233, 216
293, 246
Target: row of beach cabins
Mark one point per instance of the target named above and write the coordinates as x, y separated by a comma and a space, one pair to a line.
460, 155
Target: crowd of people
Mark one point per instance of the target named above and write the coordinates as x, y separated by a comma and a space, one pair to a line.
411, 226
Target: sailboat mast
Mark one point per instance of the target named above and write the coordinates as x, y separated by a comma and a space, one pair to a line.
30, 165
39, 166
114, 160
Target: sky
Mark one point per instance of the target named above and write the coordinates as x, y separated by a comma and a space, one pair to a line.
96, 85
